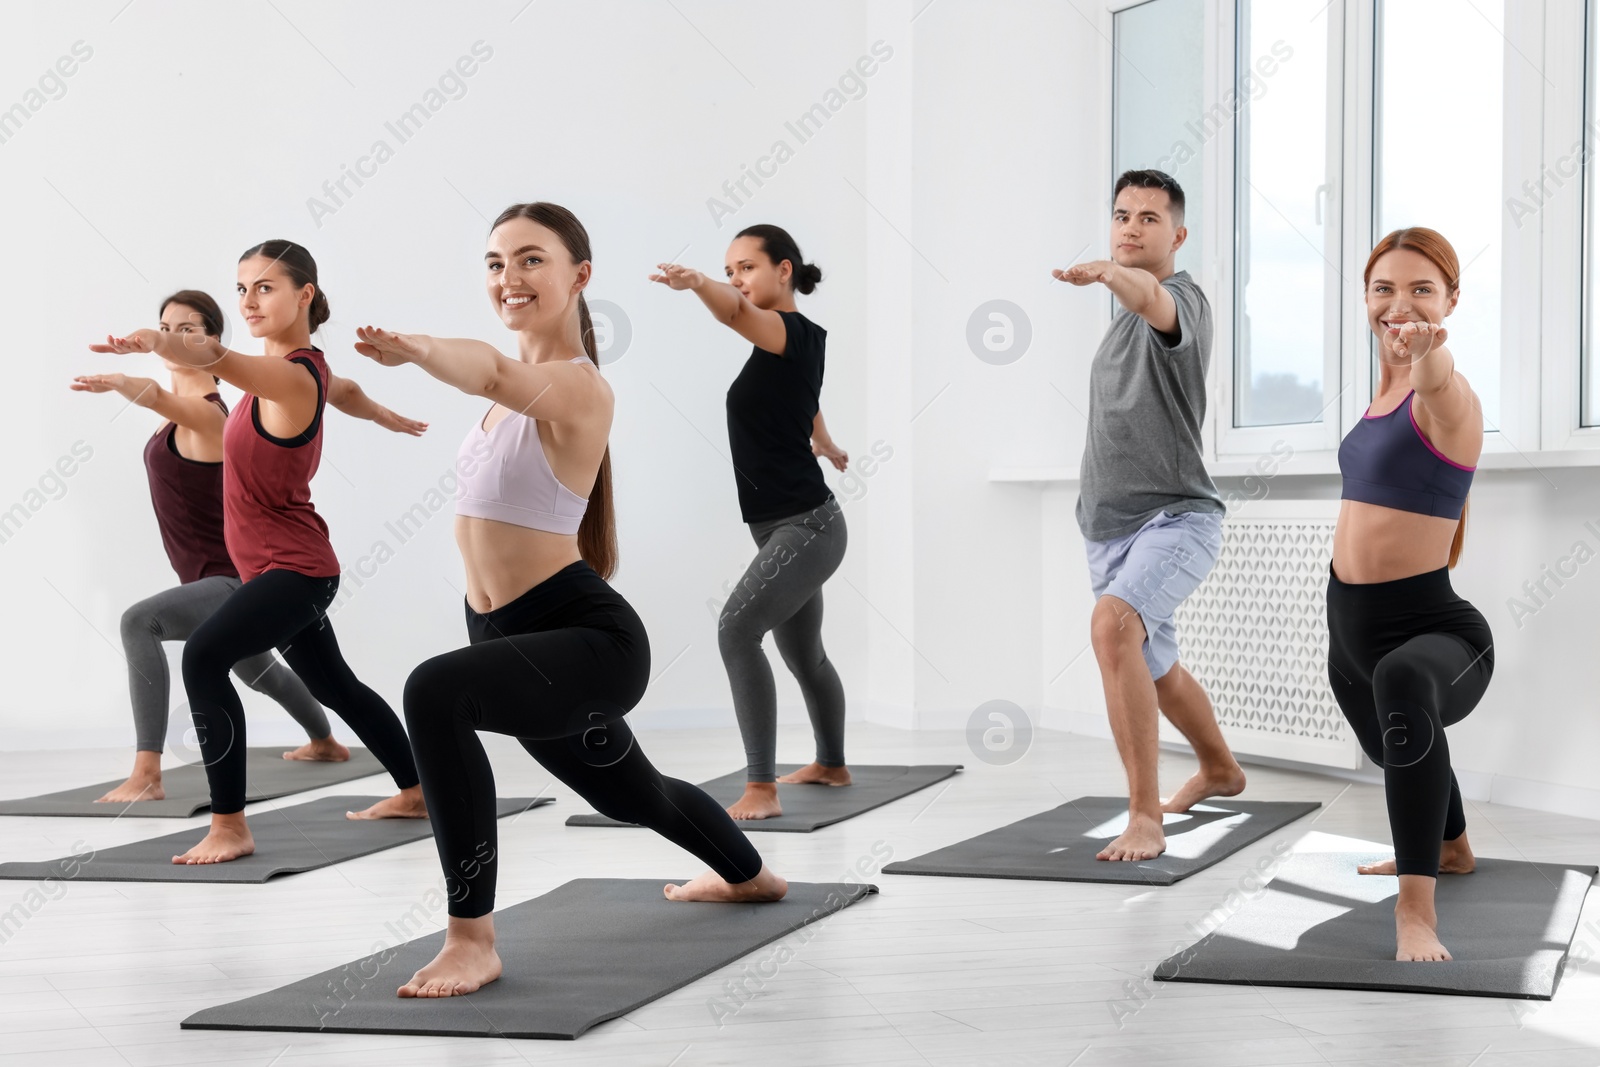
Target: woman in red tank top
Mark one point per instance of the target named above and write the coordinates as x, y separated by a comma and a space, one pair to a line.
272, 445
183, 461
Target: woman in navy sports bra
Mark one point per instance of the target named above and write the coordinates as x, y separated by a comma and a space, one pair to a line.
1407, 657
557, 656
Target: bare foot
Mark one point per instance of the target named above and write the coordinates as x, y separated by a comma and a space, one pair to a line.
1142, 840
760, 801
1455, 857
465, 964
816, 773
228, 840
1416, 933
710, 886
322, 750
406, 804
137, 787
1225, 782
143, 784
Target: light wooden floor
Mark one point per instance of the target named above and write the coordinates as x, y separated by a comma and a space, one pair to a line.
932, 971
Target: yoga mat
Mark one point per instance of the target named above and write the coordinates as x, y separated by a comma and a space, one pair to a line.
810, 807
288, 841
1507, 927
269, 774
1060, 844
585, 952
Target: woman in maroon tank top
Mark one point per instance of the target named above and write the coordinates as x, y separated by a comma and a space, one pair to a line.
183, 461
272, 445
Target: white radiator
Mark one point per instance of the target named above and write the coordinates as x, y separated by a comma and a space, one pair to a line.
1256, 635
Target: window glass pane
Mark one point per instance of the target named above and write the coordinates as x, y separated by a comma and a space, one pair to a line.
1441, 80
1157, 88
1590, 390
1288, 249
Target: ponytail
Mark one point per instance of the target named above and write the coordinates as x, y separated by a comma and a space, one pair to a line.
597, 533
1461, 535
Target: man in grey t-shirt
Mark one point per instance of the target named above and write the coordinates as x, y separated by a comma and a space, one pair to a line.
1150, 516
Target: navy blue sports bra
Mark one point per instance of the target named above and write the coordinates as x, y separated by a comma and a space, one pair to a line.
1385, 460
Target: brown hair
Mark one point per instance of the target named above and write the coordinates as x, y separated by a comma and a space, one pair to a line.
1438, 251
202, 304
597, 534
302, 271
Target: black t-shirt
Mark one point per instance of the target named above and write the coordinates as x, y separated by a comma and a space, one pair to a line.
771, 405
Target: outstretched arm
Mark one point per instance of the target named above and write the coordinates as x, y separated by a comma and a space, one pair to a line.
348, 397
1137, 290
1445, 395
553, 392
277, 381
761, 327
191, 412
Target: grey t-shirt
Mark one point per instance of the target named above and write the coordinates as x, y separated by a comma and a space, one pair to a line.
1147, 399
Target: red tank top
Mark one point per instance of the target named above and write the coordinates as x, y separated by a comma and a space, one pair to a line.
187, 495
266, 481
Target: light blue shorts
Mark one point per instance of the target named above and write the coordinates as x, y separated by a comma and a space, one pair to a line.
1154, 569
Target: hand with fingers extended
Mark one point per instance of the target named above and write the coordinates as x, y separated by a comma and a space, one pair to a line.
140, 391
1408, 342
678, 277
190, 347
392, 349
389, 420
1099, 270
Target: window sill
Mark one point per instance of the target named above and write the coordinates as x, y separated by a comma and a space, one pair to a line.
1304, 464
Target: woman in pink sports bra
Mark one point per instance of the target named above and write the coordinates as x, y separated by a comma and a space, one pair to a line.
557, 656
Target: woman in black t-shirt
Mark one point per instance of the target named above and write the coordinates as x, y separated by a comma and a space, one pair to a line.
776, 433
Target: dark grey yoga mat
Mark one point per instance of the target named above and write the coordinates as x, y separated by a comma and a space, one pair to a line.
1059, 845
1507, 927
585, 952
268, 773
288, 841
810, 807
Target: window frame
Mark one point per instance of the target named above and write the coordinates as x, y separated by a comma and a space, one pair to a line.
1548, 45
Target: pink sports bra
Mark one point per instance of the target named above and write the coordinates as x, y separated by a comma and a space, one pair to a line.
515, 484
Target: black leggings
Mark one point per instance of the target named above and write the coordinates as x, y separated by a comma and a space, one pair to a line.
1406, 659
285, 610
557, 668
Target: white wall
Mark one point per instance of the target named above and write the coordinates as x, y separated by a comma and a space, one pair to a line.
196, 130
976, 160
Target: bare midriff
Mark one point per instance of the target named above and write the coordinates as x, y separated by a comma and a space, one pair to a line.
503, 560
1377, 544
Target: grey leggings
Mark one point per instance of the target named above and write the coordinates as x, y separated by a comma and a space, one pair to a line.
781, 592
173, 615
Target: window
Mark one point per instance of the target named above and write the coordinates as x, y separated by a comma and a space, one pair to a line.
1440, 158
1286, 280
1158, 84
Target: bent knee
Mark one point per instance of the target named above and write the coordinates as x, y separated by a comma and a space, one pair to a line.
430, 682
737, 632
138, 622
1404, 677
1115, 628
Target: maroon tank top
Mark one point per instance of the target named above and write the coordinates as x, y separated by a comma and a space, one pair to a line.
187, 495
269, 522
